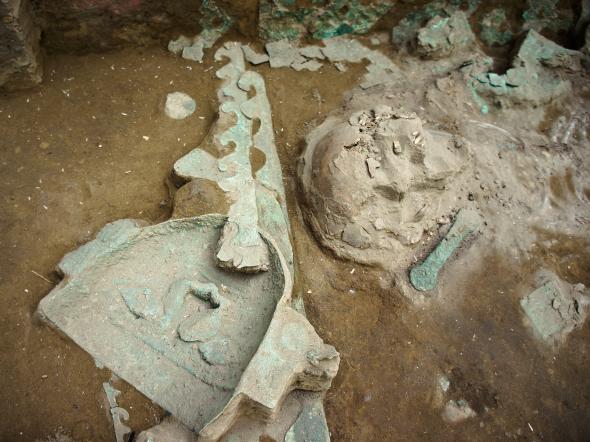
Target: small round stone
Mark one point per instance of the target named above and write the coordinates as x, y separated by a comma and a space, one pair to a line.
179, 105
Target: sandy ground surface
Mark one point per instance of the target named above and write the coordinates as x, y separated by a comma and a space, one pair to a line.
73, 157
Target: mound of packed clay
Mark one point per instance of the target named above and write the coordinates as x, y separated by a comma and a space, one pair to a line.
374, 180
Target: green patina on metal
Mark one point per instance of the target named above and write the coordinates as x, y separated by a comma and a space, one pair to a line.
547, 14
310, 425
158, 306
256, 201
155, 344
118, 414
495, 29
424, 276
214, 23
325, 19
531, 79
538, 306
555, 308
348, 17
213, 18
484, 108
470, 70
408, 27
445, 35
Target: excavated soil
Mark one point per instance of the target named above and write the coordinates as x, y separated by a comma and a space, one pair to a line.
92, 145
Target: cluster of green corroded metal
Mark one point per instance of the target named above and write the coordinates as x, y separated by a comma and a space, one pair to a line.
546, 14
493, 27
213, 17
407, 28
323, 19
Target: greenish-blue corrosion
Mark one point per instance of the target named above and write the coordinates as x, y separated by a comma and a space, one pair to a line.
253, 206
325, 19
495, 28
408, 27
471, 73
444, 35
546, 14
530, 78
214, 18
310, 425
348, 17
484, 108
424, 276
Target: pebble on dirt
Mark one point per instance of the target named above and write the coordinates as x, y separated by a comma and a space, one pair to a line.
179, 105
